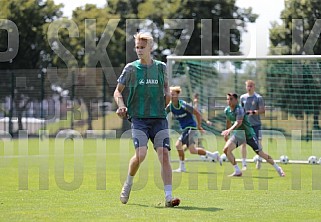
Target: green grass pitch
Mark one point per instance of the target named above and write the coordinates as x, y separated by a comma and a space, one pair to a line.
80, 180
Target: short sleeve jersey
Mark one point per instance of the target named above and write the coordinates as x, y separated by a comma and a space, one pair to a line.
146, 89
254, 102
238, 114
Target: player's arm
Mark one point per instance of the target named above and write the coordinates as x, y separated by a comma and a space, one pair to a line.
167, 93
168, 108
239, 120
118, 97
261, 109
198, 116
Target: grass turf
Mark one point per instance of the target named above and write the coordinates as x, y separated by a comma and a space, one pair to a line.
69, 180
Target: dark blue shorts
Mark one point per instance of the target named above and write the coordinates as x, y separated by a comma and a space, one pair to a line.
257, 130
252, 142
188, 137
154, 129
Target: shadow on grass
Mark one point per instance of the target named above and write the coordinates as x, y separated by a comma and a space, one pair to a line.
196, 172
161, 206
265, 178
209, 209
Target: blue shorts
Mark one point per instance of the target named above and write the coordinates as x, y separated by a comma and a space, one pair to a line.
155, 129
258, 132
252, 142
188, 137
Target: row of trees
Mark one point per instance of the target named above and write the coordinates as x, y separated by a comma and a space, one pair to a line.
298, 34
96, 37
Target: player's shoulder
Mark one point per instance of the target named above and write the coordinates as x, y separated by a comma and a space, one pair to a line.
245, 95
238, 108
158, 62
258, 95
182, 103
130, 65
227, 109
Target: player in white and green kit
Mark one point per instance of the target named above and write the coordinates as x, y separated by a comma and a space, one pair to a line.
241, 131
148, 95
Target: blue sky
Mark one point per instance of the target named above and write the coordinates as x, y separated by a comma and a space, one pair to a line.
255, 42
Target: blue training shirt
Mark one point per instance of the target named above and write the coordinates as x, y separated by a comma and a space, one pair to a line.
183, 113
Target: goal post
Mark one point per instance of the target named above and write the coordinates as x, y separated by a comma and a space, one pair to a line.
289, 84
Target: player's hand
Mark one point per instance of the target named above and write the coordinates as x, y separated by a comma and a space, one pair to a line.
201, 130
209, 123
122, 112
225, 133
250, 112
226, 138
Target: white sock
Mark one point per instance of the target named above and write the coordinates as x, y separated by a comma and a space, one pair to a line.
181, 163
129, 179
276, 167
236, 168
244, 162
168, 192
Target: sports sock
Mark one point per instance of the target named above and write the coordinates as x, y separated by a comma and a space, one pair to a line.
168, 192
244, 162
236, 168
129, 179
181, 164
276, 167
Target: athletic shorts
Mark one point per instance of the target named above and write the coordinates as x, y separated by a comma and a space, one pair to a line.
258, 132
188, 137
155, 129
252, 142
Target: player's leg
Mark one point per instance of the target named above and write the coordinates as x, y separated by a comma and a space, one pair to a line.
140, 140
181, 155
258, 133
253, 142
202, 152
160, 137
244, 154
230, 145
134, 163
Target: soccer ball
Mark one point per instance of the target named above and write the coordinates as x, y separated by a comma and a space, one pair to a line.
224, 157
284, 159
204, 158
213, 157
312, 160
257, 158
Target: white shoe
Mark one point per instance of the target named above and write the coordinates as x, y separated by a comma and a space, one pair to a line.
244, 168
258, 163
124, 195
216, 157
235, 174
180, 170
281, 172
172, 202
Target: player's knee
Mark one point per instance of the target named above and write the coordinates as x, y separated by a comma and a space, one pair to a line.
140, 158
225, 150
193, 150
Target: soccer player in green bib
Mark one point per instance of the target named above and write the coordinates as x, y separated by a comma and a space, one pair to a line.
241, 131
148, 96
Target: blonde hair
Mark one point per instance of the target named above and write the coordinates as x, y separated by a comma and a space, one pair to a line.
144, 36
250, 82
176, 89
